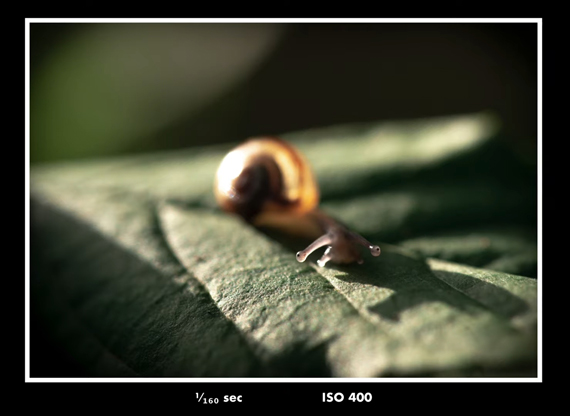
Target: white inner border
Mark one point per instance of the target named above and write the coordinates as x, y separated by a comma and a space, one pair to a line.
281, 20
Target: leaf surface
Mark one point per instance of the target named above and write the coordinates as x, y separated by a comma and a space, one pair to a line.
135, 272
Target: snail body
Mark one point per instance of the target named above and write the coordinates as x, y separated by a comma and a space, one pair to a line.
269, 183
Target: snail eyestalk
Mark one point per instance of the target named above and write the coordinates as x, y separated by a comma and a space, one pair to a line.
324, 240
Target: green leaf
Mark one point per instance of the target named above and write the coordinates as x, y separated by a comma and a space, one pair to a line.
135, 272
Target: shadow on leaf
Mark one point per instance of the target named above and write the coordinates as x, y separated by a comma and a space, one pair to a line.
96, 298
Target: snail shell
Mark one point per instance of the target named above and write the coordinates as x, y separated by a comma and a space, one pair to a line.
268, 182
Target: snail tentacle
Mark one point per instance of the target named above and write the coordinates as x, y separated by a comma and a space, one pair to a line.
324, 240
325, 258
374, 249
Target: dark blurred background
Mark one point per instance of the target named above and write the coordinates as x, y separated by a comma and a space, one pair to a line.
110, 89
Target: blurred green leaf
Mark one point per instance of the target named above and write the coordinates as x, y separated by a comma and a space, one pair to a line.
117, 86
136, 272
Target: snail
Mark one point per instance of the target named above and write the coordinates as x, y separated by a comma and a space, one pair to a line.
269, 183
